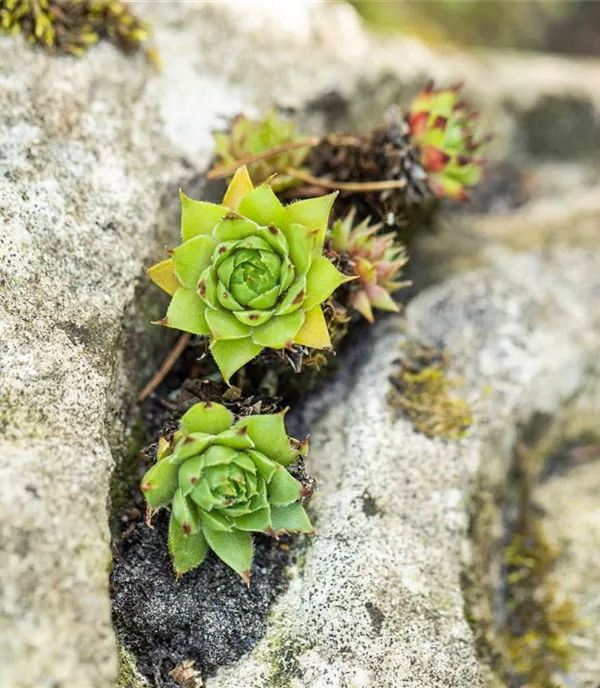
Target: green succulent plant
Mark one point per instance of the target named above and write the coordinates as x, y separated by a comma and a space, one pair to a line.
250, 273
443, 127
223, 480
375, 259
248, 137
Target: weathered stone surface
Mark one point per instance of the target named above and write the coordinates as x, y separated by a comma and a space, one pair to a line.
87, 150
379, 601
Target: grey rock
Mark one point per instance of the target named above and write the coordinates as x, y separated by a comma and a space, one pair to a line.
379, 600
88, 149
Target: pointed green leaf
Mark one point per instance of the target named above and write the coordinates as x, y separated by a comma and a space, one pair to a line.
270, 438
283, 489
313, 213
224, 269
231, 355
185, 512
203, 496
187, 551
262, 205
264, 465
302, 241
226, 299
191, 258
190, 445
314, 332
293, 298
234, 548
322, 280
159, 484
254, 243
290, 519
254, 318
198, 217
258, 521
239, 510
236, 438
219, 455
224, 251
216, 521
163, 275
266, 300
279, 331
186, 312
190, 473
235, 228
224, 325
207, 288
260, 500
240, 184
286, 275
206, 416
245, 462
276, 238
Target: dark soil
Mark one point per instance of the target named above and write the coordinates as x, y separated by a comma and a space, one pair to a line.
209, 615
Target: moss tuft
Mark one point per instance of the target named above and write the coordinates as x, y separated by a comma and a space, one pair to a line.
72, 26
422, 391
539, 622
129, 676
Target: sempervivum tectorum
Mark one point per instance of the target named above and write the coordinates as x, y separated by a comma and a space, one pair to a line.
430, 150
250, 273
443, 126
247, 138
375, 259
224, 480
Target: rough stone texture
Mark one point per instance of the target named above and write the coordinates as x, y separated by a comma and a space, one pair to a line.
87, 150
379, 599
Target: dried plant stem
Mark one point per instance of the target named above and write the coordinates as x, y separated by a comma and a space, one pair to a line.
228, 170
357, 187
165, 367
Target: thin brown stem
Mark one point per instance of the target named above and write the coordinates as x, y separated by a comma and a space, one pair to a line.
229, 169
165, 367
357, 187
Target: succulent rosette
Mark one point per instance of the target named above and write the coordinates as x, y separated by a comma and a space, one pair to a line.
248, 137
250, 273
443, 126
375, 259
224, 480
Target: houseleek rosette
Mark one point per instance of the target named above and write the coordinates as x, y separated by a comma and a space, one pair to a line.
375, 259
224, 480
443, 126
250, 273
247, 137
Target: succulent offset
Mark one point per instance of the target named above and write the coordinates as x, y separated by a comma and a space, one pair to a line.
223, 480
247, 137
443, 127
250, 273
376, 259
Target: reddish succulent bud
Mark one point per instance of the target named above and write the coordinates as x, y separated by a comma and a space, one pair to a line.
442, 125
